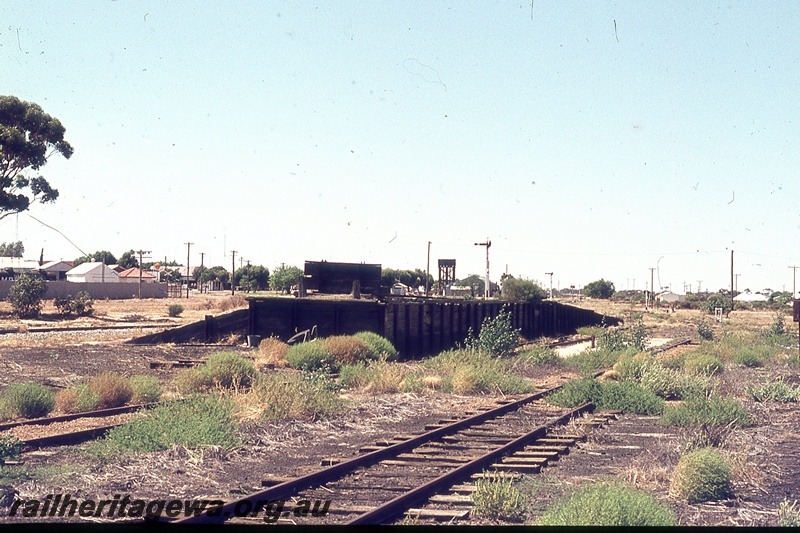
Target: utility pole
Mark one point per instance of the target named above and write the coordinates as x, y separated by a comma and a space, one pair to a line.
699, 281
202, 259
233, 270
141, 252
732, 302
794, 281
428, 269
551, 283
652, 290
486, 288
188, 272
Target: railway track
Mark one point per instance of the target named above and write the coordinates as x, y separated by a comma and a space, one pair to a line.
396, 475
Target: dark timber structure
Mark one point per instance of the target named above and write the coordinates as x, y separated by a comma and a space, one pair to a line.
338, 278
416, 328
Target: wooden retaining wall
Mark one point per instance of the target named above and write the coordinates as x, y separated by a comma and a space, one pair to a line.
209, 330
416, 328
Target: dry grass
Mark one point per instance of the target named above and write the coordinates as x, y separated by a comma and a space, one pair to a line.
271, 354
346, 349
112, 390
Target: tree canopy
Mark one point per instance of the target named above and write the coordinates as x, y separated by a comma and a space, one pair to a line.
28, 137
128, 260
284, 277
252, 277
521, 290
411, 278
12, 249
102, 256
599, 289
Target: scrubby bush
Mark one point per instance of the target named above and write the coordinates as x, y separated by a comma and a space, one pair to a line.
28, 400
227, 370
82, 304
775, 391
717, 301
617, 339
307, 396
190, 381
311, 356
704, 330
702, 363
465, 371
26, 295
496, 337
77, 399
375, 377
588, 362
10, 447
347, 349
112, 390
702, 410
380, 347
627, 396
498, 498
271, 351
749, 356
540, 356
701, 475
175, 310
146, 389
608, 504
199, 421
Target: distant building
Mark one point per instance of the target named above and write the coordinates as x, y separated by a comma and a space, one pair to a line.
92, 273
131, 275
56, 270
12, 267
670, 297
748, 296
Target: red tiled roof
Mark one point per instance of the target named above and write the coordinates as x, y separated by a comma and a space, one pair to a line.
134, 273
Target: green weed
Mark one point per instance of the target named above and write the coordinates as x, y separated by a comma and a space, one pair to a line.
498, 498
702, 475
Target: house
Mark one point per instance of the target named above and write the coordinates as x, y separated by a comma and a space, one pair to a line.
748, 296
14, 266
95, 272
56, 270
131, 275
670, 297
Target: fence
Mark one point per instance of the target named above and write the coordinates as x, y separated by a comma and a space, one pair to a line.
98, 291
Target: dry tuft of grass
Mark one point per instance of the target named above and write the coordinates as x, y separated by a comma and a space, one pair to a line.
112, 390
271, 353
347, 349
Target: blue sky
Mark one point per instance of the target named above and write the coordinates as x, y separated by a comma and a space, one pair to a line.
590, 139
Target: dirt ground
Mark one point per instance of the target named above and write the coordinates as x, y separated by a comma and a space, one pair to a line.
634, 448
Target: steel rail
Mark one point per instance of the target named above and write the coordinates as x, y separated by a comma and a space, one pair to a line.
394, 507
75, 416
288, 488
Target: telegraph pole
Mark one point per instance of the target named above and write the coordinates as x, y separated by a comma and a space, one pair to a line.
233, 271
486, 288
732, 302
794, 281
202, 262
652, 291
188, 273
141, 252
428, 269
551, 283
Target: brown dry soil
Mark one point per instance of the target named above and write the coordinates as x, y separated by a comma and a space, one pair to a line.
634, 448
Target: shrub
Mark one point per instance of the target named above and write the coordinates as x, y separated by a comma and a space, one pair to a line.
701, 410
146, 389
26, 295
347, 349
789, 514
227, 370
608, 504
714, 301
704, 330
28, 400
496, 337
381, 347
498, 498
271, 351
701, 475
82, 304
175, 310
540, 356
749, 356
199, 421
77, 399
112, 390
10, 447
376, 377
466, 371
307, 396
775, 391
311, 356
702, 363
627, 396
778, 327
190, 381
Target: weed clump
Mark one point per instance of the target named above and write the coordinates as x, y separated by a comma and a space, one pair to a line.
627, 396
701, 475
375, 377
347, 349
271, 351
28, 400
465, 371
702, 363
789, 514
199, 421
112, 390
307, 396
702, 410
540, 356
227, 370
175, 310
146, 389
608, 504
775, 391
380, 347
310, 356
498, 498
77, 399
496, 337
